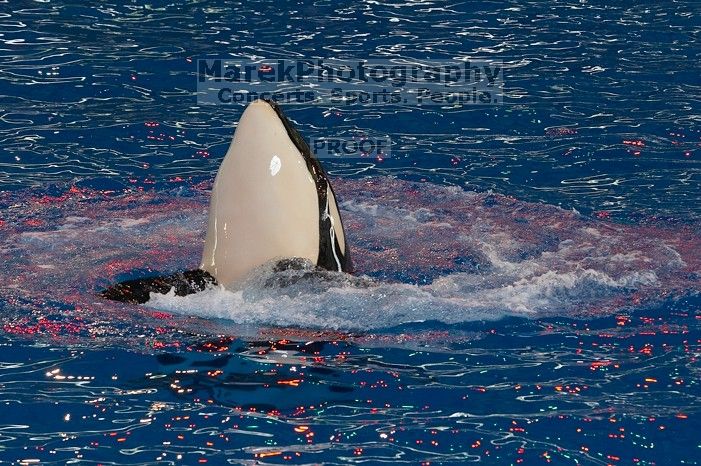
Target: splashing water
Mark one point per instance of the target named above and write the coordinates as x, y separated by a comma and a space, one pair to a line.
428, 253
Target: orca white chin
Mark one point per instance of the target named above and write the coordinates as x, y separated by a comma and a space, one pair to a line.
271, 201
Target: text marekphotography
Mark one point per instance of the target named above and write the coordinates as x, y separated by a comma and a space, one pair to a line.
350, 82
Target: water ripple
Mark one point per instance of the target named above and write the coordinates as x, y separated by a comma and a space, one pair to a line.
84, 79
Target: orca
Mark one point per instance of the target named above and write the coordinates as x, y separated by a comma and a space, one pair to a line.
271, 202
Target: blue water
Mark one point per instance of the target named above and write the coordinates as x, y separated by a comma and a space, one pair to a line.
536, 263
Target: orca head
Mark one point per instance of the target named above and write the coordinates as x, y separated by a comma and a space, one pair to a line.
271, 201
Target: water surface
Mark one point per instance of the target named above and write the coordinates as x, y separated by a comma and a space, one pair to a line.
534, 266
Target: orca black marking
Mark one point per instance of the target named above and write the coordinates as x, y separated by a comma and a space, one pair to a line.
330, 255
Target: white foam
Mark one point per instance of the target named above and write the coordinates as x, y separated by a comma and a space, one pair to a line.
454, 298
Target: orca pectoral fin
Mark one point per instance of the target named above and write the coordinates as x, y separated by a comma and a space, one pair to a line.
139, 291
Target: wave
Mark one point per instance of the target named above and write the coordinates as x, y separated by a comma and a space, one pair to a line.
423, 253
